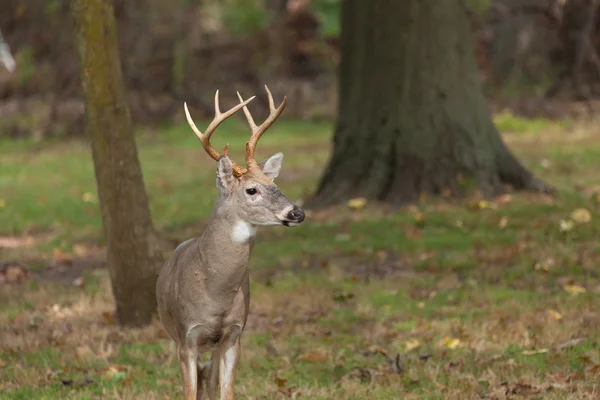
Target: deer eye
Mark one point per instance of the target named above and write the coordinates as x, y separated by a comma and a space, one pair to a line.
251, 191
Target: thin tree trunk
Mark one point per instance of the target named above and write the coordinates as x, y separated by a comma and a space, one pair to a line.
133, 251
412, 117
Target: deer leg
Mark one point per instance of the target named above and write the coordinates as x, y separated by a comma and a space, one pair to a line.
212, 375
203, 376
189, 371
230, 355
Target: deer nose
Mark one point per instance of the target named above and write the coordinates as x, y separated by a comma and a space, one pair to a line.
296, 215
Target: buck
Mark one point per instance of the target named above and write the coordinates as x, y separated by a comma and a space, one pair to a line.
203, 289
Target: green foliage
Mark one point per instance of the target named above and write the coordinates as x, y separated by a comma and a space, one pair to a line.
328, 12
508, 122
27, 66
478, 6
242, 17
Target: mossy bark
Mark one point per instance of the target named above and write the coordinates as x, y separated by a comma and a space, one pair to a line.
133, 251
412, 117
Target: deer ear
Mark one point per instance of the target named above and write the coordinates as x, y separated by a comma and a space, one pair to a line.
272, 165
224, 173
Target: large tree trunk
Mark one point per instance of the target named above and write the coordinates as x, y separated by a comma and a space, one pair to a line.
412, 117
132, 244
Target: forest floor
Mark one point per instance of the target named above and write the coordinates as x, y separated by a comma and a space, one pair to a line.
447, 299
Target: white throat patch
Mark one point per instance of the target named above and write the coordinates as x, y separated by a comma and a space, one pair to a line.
243, 231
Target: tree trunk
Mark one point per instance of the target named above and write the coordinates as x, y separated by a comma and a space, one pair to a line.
412, 117
132, 244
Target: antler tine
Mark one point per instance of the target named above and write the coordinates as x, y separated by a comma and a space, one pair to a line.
219, 117
257, 131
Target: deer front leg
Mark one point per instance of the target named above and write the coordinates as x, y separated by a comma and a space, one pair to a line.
230, 355
189, 371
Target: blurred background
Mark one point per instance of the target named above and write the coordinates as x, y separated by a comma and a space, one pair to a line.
536, 58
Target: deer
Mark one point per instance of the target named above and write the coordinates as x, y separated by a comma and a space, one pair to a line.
203, 290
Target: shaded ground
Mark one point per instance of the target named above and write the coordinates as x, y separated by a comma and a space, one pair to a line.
452, 299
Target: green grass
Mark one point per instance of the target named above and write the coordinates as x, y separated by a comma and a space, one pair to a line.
478, 302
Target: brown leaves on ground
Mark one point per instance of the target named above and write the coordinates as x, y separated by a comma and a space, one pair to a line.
13, 273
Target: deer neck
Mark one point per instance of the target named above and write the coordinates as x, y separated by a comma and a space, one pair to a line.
226, 246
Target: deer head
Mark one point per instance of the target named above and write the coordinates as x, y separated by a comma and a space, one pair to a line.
250, 193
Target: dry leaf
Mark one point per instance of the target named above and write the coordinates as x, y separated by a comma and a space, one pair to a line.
555, 315
411, 344
314, 356
419, 219
503, 223
60, 258
593, 370
15, 273
581, 216
566, 226
451, 343
281, 382
357, 203
88, 197
534, 352
2, 363
480, 205
78, 282
575, 289
503, 199
108, 319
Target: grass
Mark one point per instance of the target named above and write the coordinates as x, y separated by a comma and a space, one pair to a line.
447, 299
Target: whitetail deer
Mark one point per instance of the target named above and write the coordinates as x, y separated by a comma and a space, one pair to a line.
203, 289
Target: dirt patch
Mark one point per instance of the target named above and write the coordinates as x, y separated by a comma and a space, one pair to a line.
360, 266
65, 271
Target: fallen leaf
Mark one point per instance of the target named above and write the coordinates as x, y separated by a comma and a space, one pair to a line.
411, 344
116, 372
566, 226
581, 216
15, 273
503, 199
503, 223
357, 203
594, 369
571, 343
534, 352
480, 205
575, 289
419, 219
281, 382
60, 259
2, 363
451, 343
555, 315
78, 282
89, 197
108, 319
314, 356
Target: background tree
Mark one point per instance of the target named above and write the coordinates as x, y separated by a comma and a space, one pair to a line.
412, 117
132, 243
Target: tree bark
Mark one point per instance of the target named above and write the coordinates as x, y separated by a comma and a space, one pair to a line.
133, 249
412, 116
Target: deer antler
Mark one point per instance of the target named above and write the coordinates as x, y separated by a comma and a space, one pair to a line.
257, 131
219, 117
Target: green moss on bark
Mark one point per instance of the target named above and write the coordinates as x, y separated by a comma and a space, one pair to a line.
133, 253
412, 117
